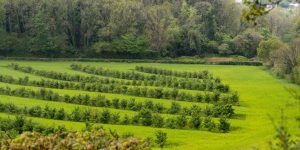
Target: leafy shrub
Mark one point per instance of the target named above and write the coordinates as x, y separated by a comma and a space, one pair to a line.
224, 126
96, 139
161, 138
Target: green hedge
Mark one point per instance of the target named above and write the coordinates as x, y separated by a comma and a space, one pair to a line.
165, 60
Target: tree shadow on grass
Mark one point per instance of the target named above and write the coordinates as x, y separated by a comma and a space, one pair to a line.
298, 118
173, 144
235, 128
239, 116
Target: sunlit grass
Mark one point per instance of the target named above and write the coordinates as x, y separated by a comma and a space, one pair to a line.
262, 95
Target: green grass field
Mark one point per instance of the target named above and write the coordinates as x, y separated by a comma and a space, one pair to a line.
261, 95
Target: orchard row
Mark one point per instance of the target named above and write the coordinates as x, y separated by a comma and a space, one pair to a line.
149, 92
217, 110
158, 81
144, 117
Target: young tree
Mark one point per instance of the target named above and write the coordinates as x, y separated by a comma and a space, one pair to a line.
195, 121
181, 121
126, 120
175, 108
19, 123
145, 117
105, 116
157, 121
76, 114
115, 118
283, 139
60, 114
161, 138
224, 125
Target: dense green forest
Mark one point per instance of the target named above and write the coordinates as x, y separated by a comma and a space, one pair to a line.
151, 29
142, 74
133, 28
116, 28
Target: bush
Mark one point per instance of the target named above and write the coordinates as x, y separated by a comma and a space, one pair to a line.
97, 139
76, 115
158, 121
145, 117
224, 126
161, 138
223, 110
175, 108
181, 121
105, 116
195, 122
115, 118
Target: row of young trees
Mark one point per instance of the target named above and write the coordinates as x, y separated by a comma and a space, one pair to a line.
20, 124
198, 75
112, 73
145, 117
160, 93
201, 85
207, 82
216, 110
153, 70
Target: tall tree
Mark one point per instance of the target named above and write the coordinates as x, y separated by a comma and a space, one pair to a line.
161, 26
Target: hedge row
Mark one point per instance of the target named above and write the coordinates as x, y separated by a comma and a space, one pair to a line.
101, 101
197, 75
169, 61
60, 76
113, 73
207, 84
159, 93
20, 124
145, 117
201, 85
134, 75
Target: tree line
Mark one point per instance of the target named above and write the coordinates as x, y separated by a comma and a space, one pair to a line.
188, 27
283, 59
145, 117
100, 28
217, 110
159, 93
278, 47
